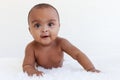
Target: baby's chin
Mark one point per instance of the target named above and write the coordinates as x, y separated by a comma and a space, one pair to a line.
46, 43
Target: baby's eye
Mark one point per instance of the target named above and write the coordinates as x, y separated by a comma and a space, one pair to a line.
50, 24
37, 25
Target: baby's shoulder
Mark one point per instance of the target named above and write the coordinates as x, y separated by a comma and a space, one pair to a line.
30, 45
62, 40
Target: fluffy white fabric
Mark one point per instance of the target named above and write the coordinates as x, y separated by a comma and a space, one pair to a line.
10, 69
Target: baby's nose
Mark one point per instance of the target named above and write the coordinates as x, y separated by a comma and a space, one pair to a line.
44, 29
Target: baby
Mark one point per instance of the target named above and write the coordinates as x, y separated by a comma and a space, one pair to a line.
46, 50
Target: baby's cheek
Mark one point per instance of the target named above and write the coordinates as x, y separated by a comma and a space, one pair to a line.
54, 36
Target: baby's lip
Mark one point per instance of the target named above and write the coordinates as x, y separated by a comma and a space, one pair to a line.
44, 36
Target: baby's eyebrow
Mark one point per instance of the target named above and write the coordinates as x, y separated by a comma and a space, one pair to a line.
47, 21
34, 21
51, 20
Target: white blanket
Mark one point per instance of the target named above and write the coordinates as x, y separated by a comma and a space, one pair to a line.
10, 69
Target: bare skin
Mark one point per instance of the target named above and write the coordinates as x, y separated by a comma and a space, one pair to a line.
47, 48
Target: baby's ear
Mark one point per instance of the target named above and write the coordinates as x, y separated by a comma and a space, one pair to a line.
29, 30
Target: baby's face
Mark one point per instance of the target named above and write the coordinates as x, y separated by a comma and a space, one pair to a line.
44, 25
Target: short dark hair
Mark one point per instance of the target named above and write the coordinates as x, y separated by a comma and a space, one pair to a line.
43, 5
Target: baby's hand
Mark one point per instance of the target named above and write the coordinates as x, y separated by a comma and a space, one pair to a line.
37, 73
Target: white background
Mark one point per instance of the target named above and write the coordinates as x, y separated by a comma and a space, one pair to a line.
91, 25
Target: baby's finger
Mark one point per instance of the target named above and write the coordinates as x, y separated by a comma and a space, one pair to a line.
39, 73
95, 70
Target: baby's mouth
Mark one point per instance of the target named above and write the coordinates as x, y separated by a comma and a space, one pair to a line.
46, 36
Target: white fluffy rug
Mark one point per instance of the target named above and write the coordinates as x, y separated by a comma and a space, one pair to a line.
10, 69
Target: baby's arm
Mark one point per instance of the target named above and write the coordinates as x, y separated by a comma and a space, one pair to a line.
78, 55
29, 62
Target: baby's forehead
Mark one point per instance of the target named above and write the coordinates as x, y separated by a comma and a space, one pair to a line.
42, 9
48, 9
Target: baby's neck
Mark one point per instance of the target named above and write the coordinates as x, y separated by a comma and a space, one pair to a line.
53, 43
